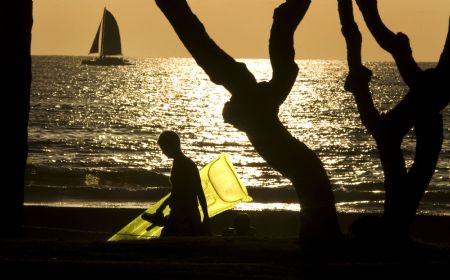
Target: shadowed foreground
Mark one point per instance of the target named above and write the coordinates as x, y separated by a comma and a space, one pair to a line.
97, 224
216, 258
72, 247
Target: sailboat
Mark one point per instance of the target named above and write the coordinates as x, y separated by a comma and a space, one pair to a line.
107, 43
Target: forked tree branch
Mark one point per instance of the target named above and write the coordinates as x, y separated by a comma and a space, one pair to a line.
396, 44
404, 189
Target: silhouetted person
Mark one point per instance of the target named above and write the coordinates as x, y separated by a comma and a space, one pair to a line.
184, 218
420, 108
253, 109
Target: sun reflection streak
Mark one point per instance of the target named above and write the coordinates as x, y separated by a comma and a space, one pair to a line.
253, 206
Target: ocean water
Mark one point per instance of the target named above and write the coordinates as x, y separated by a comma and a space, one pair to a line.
93, 133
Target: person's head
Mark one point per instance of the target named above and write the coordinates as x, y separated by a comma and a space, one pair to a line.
169, 142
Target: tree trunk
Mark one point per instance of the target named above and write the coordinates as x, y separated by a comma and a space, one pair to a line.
253, 109
16, 95
420, 109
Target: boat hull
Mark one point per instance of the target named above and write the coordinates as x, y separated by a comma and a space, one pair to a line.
106, 61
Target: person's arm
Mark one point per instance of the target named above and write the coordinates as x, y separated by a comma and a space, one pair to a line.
164, 205
202, 200
206, 227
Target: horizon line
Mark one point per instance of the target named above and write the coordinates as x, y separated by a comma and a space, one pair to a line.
237, 58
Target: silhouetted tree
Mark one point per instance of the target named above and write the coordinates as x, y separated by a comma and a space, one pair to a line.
253, 109
420, 108
16, 81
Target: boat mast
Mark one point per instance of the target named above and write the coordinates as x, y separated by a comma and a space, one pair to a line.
103, 32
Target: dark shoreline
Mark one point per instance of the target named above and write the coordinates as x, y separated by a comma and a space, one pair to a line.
71, 242
98, 224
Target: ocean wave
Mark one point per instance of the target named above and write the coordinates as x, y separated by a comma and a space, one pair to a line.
343, 195
127, 178
39, 194
285, 198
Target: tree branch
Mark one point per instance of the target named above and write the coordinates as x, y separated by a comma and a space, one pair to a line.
444, 61
396, 44
253, 109
359, 76
286, 18
351, 33
419, 108
221, 68
429, 137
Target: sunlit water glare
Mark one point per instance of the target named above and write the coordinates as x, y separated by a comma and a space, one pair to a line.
96, 128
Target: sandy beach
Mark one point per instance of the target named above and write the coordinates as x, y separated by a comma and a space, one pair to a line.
98, 224
71, 241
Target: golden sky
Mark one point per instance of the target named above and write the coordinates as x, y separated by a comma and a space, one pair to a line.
240, 27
